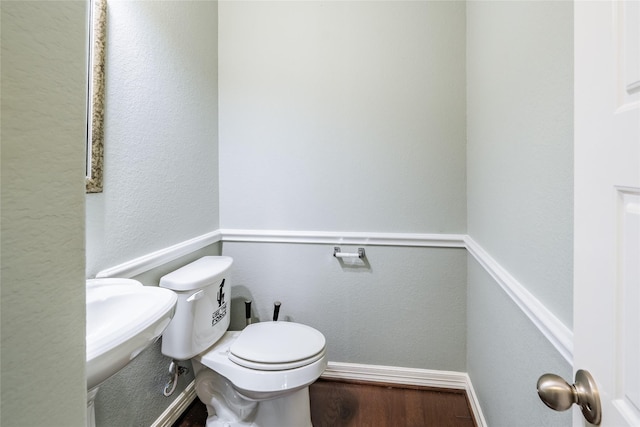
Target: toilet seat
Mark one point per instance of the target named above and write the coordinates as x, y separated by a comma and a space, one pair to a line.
257, 383
274, 366
277, 346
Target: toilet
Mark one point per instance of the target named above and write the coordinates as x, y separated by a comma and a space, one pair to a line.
257, 377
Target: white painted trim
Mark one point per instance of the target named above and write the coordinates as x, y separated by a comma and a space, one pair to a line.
396, 375
155, 259
474, 402
344, 238
551, 327
177, 407
556, 332
408, 376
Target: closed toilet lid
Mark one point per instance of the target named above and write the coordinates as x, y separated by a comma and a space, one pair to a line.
277, 346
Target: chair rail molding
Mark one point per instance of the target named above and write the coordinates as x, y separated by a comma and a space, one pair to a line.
551, 327
558, 334
155, 259
345, 238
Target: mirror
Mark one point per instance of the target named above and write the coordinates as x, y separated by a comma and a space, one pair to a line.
95, 104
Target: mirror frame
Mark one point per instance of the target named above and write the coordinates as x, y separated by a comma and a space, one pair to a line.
95, 113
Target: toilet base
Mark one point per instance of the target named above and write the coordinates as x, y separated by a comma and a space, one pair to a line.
228, 408
289, 411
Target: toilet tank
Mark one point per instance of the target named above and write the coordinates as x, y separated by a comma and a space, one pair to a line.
203, 309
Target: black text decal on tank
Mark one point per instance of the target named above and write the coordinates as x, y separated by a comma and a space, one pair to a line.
221, 312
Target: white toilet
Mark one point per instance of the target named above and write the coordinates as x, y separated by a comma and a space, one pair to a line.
259, 376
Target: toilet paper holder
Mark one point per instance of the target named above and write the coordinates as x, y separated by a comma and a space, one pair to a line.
339, 254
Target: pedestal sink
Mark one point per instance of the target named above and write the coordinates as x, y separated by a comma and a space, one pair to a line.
123, 318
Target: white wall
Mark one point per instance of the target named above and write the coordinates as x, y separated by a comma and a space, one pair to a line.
160, 177
43, 137
342, 116
520, 197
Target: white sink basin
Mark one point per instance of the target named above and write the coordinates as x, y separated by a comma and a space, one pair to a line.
123, 318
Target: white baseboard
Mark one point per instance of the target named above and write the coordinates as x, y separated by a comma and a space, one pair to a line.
177, 407
396, 375
408, 376
359, 372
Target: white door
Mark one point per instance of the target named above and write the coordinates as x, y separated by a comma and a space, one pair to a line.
607, 205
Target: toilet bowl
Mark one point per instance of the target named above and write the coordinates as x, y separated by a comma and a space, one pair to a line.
280, 387
256, 377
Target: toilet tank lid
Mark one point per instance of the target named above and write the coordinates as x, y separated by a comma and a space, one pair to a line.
206, 271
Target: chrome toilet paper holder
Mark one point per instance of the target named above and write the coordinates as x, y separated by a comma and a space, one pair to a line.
339, 254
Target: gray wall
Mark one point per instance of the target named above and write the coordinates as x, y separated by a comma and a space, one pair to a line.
520, 142
342, 116
161, 176
332, 91
348, 116
507, 355
520, 196
43, 139
161, 155
402, 307
395, 124
133, 397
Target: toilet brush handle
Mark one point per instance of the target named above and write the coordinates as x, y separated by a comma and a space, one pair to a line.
247, 311
276, 310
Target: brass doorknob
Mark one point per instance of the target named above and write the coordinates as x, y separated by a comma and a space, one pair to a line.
559, 395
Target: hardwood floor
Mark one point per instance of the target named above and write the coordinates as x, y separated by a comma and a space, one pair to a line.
347, 404
352, 404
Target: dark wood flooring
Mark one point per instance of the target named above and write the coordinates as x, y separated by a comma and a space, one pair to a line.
352, 404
